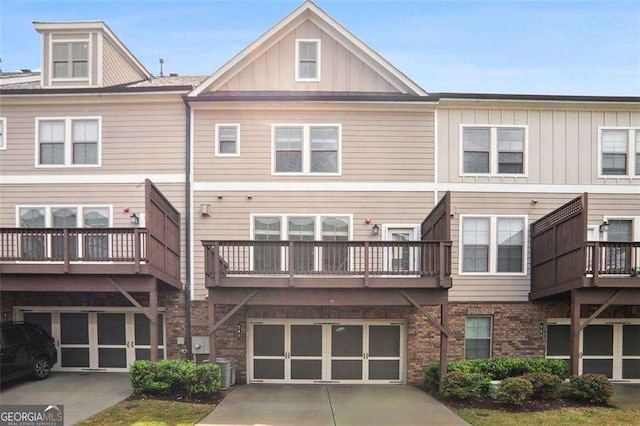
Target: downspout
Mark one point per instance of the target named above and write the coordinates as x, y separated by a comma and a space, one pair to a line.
187, 287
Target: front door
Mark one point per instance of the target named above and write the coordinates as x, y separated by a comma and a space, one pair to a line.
108, 340
331, 351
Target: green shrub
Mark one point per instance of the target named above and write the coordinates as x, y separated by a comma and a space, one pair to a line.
460, 385
594, 388
514, 391
499, 368
545, 385
180, 378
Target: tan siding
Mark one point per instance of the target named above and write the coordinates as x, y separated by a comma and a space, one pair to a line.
563, 140
116, 68
376, 145
116, 195
517, 288
341, 70
144, 137
231, 214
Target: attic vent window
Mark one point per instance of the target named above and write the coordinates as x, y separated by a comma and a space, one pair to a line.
71, 60
307, 60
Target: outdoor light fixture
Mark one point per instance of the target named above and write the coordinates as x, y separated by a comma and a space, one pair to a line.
375, 230
204, 209
134, 219
604, 226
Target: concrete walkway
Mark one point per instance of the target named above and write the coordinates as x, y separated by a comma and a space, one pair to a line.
331, 405
627, 395
82, 394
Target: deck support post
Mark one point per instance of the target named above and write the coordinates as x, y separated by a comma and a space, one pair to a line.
444, 319
211, 313
153, 323
575, 332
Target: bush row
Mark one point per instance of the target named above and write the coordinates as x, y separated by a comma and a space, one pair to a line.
179, 378
594, 388
499, 368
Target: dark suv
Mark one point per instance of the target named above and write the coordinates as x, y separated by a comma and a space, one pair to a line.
26, 350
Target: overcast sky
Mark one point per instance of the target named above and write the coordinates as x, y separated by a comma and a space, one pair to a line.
556, 47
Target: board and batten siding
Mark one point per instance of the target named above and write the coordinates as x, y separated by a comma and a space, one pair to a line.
341, 70
468, 288
137, 137
117, 196
117, 69
391, 145
231, 216
563, 140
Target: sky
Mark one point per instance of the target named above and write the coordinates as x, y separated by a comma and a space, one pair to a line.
517, 46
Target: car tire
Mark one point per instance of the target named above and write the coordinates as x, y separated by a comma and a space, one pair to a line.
41, 368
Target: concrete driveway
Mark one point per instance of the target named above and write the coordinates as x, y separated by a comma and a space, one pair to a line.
82, 394
331, 405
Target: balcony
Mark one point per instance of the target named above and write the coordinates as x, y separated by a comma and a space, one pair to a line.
328, 264
563, 260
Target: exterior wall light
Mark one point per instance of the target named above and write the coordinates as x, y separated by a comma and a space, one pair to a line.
134, 219
375, 230
204, 209
604, 226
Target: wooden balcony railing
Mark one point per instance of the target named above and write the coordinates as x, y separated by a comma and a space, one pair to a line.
612, 258
368, 259
73, 245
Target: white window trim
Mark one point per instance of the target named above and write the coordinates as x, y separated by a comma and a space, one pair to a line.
217, 139
631, 153
635, 226
284, 223
493, 244
89, 76
306, 149
415, 227
493, 149
3, 127
68, 142
318, 62
464, 350
48, 207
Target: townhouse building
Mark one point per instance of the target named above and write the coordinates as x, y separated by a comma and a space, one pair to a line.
311, 214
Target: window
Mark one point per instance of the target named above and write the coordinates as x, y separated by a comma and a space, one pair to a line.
493, 244
619, 152
71, 60
493, 150
68, 141
3, 133
307, 60
477, 338
227, 140
620, 230
95, 244
307, 149
270, 254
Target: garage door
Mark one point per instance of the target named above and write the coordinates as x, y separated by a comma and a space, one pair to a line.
106, 339
339, 351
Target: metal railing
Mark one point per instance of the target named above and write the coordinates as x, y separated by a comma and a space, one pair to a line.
328, 258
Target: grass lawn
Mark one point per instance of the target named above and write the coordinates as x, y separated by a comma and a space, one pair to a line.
559, 417
150, 412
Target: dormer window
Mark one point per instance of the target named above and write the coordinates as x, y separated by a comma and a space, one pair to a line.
70, 60
307, 60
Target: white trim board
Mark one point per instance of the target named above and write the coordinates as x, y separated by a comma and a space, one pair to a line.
337, 186
90, 178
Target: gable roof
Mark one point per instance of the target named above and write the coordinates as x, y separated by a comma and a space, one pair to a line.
99, 26
310, 11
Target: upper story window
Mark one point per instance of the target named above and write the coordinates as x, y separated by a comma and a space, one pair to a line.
68, 141
493, 150
3, 133
619, 152
308, 60
227, 140
307, 148
70, 60
493, 244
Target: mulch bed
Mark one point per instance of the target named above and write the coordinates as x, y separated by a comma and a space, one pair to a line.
212, 400
489, 404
